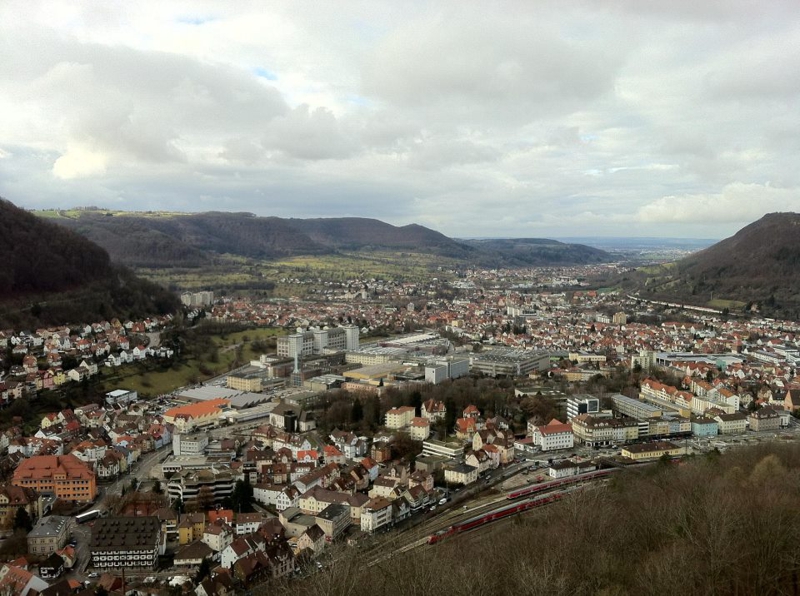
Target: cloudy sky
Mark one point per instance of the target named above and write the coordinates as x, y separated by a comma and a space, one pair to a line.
676, 118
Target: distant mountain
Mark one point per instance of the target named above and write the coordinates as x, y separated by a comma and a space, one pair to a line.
356, 233
531, 252
192, 240
758, 265
50, 274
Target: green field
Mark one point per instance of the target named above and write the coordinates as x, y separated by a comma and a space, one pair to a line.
151, 383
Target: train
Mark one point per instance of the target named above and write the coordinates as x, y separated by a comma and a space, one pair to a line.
492, 516
535, 489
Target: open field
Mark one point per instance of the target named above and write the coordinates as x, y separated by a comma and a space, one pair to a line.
149, 383
233, 273
729, 304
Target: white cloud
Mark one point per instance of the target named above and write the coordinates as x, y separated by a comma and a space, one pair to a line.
737, 203
508, 118
79, 162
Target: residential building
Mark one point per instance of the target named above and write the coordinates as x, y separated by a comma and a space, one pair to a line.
333, 520
48, 535
376, 514
731, 424
460, 473
765, 419
13, 498
401, 417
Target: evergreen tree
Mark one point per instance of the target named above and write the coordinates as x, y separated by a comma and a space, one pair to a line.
22, 521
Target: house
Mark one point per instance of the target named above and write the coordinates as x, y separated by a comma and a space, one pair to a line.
313, 538
460, 473
433, 410
247, 523
240, 548
192, 555
420, 428
218, 535
376, 514
217, 584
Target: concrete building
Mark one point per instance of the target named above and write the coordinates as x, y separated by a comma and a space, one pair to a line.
194, 445
453, 449
509, 362
442, 369
196, 486
582, 404
318, 341
635, 408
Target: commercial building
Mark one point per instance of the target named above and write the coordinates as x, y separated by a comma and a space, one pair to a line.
582, 404
63, 476
594, 431
508, 362
197, 415
442, 369
134, 542
318, 341
454, 449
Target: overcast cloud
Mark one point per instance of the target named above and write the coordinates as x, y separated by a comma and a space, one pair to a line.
593, 118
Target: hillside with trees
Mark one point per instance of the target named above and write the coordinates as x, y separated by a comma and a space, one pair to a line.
758, 268
716, 524
51, 275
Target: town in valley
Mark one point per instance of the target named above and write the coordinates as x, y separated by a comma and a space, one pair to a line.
384, 416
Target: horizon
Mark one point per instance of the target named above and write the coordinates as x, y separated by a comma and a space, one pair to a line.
506, 121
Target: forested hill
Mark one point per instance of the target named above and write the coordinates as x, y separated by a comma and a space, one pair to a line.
758, 267
191, 240
39, 256
516, 252
51, 275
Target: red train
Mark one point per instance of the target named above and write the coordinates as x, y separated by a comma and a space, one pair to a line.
547, 486
490, 517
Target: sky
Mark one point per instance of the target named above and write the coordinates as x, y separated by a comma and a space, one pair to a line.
676, 118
